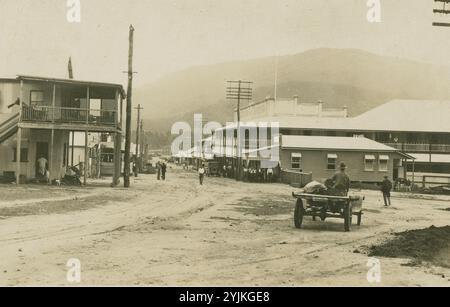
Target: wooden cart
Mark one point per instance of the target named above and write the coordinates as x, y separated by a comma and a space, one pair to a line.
325, 206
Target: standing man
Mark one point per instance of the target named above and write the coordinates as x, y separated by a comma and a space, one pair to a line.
163, 171
135, 172
340, 181
386, 187
158, 170
42, 168
201, 173
224, 171
269, 174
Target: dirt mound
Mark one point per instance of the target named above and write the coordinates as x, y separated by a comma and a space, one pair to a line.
430, 245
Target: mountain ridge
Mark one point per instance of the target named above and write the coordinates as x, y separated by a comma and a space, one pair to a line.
358, 79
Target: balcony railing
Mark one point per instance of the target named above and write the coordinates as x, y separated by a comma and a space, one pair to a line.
421, 148
68, 115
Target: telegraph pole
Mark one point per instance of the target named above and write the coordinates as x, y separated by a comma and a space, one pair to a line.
444, 10
126, 176
138, 135
142, 137
239, 90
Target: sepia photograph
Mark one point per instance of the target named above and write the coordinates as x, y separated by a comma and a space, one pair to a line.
206, 145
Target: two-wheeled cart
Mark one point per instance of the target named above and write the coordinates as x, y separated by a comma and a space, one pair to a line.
326, 206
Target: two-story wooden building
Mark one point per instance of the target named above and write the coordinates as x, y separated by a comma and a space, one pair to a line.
38, 115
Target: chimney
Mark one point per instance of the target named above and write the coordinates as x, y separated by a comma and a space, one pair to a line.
345, 111
296, 100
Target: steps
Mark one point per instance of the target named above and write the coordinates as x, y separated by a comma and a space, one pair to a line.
8, 126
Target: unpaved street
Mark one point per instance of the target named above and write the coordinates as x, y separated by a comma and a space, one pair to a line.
179, 233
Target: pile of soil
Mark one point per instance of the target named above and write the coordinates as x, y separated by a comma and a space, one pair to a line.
430, 245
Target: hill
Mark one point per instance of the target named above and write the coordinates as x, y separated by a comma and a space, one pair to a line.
355, 78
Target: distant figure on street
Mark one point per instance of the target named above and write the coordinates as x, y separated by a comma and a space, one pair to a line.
163, 171
135, 169
340, 181
201, 174
158, 170
269, 174
386, 187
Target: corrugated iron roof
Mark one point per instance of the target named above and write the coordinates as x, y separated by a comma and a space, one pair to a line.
395, 115
334, 143
72, 82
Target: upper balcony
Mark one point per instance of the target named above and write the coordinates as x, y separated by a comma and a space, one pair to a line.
69, 104
45, 114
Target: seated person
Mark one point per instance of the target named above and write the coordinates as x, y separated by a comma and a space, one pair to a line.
339, 184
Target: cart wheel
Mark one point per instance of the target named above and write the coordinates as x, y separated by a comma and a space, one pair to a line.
347, 218
359, 218
298, 213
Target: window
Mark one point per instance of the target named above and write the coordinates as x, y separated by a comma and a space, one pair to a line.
23, 155
331, 161
383, 163
369, 161
296, 161
36, 97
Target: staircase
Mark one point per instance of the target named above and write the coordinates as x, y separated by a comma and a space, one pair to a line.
8, 126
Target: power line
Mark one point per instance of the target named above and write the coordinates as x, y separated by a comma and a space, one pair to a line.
239, 90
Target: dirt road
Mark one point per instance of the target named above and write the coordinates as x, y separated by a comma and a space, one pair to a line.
179, 233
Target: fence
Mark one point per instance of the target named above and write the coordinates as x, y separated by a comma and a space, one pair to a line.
295, 178
68, 115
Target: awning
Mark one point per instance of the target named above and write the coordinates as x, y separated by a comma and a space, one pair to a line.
384, 157
369, 157
296, 155
332, 156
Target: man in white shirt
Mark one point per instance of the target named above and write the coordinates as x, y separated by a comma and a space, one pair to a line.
201, 173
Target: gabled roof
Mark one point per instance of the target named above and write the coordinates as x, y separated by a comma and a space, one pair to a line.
334, 143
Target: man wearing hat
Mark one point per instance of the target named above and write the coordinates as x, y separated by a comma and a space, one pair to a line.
341, 182
386, 187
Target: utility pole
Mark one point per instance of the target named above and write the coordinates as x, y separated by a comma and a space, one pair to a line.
239, 90
444, 10
126, 176
142, 137
138, 135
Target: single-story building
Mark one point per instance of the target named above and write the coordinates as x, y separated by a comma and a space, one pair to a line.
366, 160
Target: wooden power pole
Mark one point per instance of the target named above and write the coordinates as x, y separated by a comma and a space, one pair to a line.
138, 136
239, 91
126, 176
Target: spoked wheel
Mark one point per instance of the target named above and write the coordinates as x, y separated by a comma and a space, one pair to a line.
347, 217
298, 214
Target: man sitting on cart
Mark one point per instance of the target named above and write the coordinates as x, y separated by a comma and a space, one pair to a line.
340, 182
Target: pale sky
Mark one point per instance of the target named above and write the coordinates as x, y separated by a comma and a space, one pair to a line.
37, 39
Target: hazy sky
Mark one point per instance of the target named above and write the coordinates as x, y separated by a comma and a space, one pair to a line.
37, 39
